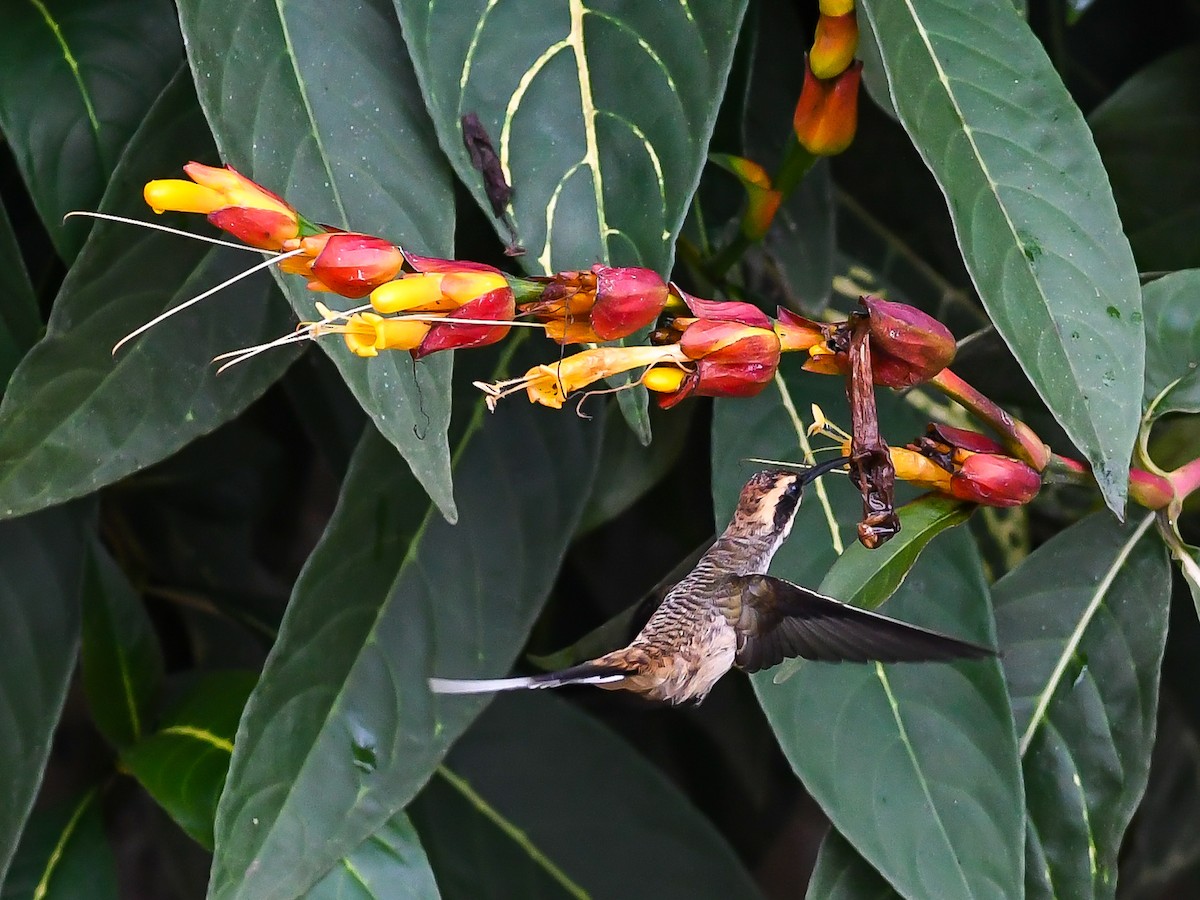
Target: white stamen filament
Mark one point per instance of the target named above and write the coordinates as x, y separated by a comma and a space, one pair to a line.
265, 264
153, 226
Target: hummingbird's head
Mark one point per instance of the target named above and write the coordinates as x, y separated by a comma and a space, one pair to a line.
768, 504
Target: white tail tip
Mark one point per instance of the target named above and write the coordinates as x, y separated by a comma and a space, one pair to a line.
492, 685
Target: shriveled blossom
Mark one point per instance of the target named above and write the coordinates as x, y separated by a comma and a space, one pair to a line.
908, 347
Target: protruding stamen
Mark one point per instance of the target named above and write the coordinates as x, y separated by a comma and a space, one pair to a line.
265, 264
156, 227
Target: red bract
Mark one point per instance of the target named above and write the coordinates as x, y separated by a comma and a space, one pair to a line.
907, 345
352, 264
497, 305
995, 480
731, 359
604, 304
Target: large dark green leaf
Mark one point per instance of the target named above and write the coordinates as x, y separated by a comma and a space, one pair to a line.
320, 105
342, 731
75, 418
601, 114
891, 753
76, 79
121, 661
548, 796
841, 874
1035, 219
20, 320
1139, 131
1172, 330
389, 865
183, 764
63, 855
41, 568
1082, 622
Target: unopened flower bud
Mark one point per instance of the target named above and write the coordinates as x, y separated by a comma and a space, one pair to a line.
834, 45
826, 116
995, 480
907, 345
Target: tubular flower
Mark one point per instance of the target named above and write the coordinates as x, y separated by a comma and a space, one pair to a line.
733, 350
954, 461
463, 290
834, 45
908, 347
368, 333
231, 201
979, 470
826, 114
551, 385
604, 304
344, 262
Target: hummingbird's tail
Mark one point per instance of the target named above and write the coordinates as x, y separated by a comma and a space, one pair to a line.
585, 673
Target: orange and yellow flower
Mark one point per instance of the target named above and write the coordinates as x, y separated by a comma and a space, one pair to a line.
231, 201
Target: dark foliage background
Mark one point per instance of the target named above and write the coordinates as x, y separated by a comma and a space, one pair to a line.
267, 556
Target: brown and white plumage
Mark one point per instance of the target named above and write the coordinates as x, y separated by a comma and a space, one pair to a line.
727, 612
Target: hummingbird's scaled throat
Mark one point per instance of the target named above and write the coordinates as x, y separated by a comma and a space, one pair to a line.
728, 612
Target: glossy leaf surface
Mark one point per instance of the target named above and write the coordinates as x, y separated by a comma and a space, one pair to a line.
1035, 219
120, 658
391, 596
1083, 622
183, 763
331, 118
41, 569
76, 79
75, 417
389, 865
64, 853
601, 114
551, 803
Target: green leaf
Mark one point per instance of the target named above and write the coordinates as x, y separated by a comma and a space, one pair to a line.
342, 730
389, 865
1139, 130
323, 109
841, 874
20, 320
65, 854
75, 418
1172, 330
183, 764
121, 661
1035, 220
1082, 623
916, 764
601, 117
76, 79
539, 793
41, 569
868, 577
891, 753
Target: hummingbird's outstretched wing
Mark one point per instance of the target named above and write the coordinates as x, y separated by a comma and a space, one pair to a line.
779, 620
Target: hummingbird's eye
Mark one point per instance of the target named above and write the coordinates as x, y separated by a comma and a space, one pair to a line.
793, 488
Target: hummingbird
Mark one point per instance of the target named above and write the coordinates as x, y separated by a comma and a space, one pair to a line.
728, 612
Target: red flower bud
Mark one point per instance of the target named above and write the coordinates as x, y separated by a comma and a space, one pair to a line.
995, 480
732, 359
497, 304
627, 298
604, 304
907, 346
826, 114
266, 229
351, 264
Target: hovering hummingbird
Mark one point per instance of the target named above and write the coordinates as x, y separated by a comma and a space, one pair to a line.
728, 612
